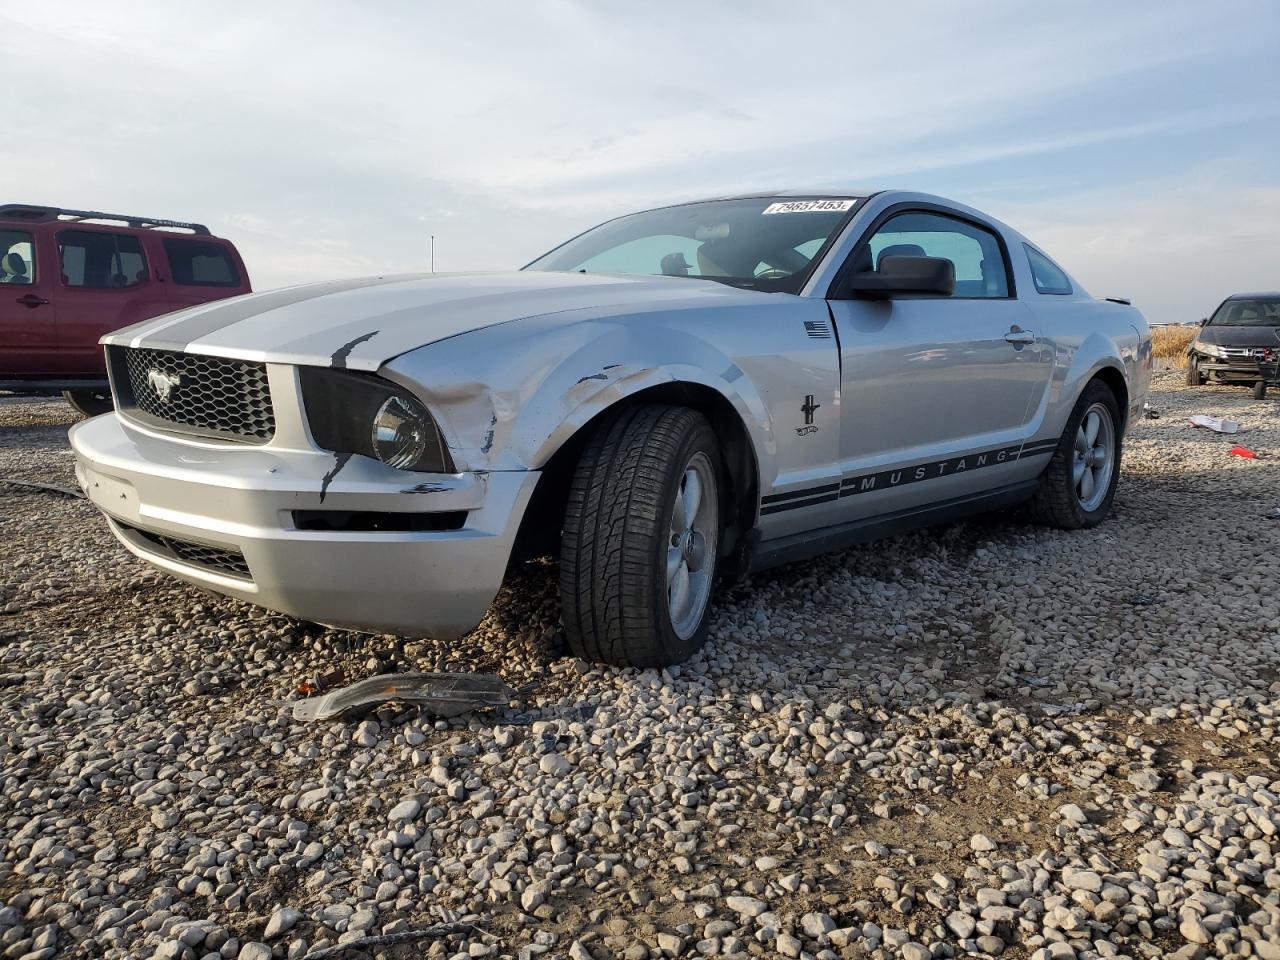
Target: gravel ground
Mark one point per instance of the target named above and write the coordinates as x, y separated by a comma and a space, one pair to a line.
983, 739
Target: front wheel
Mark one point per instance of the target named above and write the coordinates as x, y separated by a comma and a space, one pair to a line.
1260, 390
641, 537
91, 403
1080, 482
1193, 373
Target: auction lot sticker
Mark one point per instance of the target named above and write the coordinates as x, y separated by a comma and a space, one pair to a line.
809, 206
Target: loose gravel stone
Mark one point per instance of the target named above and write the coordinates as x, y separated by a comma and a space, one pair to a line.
981, 739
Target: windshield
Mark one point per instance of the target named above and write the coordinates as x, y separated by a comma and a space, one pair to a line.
1256, 312
764, 243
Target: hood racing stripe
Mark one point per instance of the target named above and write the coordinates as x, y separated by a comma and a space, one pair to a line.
187, 329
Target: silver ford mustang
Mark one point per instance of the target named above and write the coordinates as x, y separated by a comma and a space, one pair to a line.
672, 398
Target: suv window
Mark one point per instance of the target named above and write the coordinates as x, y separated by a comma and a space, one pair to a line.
975, 252
1047, 275
197, 263
101, 261
17, 257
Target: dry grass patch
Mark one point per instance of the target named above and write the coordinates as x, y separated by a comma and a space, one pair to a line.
1171, 342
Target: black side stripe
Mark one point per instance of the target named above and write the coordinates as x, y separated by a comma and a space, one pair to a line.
888, 479
795, 494
807, 502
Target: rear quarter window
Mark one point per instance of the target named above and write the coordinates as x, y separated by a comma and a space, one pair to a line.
198, 263
1048, 277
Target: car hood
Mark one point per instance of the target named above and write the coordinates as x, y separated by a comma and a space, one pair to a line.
1225, 336
361, 324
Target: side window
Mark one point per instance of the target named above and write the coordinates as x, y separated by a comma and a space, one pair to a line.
101, 261
974, 251
1047, 275
17, 257
198, 263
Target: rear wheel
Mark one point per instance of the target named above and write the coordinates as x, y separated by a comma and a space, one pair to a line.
641, 536
91, 403
1080, 482
1260, 390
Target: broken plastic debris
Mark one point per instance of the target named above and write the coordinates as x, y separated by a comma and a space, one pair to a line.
1216, 424
48, 487
441, 694
1244, 452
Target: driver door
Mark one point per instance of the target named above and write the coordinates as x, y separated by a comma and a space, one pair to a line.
28, 334
937, 393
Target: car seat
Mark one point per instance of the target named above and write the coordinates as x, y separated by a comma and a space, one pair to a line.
16, 268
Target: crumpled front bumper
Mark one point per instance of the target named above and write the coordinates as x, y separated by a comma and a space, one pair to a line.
1228, 370
192, 508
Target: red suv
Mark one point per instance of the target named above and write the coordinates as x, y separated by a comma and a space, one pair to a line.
70, 276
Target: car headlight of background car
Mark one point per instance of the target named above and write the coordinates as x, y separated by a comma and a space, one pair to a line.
362, 413
1208, 349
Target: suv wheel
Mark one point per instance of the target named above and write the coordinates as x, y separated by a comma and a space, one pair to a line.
1193, 373
1079, 484
641, 538
1260, 390
91, 403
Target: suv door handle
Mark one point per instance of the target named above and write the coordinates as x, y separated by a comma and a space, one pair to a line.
31, 300
1018, 335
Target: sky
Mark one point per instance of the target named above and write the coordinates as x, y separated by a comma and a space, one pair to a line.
1136, 142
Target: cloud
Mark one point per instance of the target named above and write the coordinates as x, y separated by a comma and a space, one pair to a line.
1177, 249
330, 138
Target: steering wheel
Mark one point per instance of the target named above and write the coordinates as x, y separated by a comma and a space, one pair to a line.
773, 273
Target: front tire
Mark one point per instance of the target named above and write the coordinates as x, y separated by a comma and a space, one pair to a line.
641, 537
1193, 373
90, 403
1079, 484
1260, 390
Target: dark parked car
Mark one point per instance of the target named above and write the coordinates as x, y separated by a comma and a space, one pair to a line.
70, 276
1241, 334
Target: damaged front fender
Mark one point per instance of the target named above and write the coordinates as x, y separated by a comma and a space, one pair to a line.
507, 398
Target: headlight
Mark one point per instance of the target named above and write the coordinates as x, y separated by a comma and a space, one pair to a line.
402, 431
362, 413
1208, 349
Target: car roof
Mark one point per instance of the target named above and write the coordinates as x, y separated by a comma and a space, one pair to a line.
1255, 296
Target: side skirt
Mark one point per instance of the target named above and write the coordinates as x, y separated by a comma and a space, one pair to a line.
812, 543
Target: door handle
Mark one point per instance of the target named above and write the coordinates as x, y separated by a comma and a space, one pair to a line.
1018, 335
31, 300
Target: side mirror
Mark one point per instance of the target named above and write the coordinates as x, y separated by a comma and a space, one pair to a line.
1203, 321
906, 275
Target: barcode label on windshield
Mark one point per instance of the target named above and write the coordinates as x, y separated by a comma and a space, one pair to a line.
810, 206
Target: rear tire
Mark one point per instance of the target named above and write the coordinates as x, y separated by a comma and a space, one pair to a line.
1260, 390
636, 573
1090, 445
91, 403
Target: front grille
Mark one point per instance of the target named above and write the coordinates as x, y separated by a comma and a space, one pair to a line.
190, 393
230, 563
1246, 353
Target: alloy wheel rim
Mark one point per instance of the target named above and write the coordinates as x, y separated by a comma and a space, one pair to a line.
1093, 457
691, 545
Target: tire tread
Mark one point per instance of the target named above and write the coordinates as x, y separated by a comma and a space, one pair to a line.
613, 517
